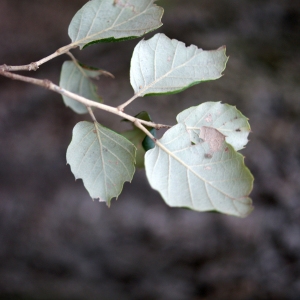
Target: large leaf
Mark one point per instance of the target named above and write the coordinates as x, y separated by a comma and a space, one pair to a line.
76, 79
223, 117
197, 176
161, 65
102, 158
110, 20
139, 138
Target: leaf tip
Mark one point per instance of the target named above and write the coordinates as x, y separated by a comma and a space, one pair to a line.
222, 48
251, 208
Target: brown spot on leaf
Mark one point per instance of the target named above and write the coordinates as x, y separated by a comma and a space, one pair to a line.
213, 137
124, 5
208, 119
94, 131
238, 130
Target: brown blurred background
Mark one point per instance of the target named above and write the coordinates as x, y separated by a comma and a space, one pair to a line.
56, 243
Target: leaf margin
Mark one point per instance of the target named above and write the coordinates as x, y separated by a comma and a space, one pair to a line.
72, 148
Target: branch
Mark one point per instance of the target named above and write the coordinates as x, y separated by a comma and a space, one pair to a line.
35, 65
122, 106
45, 83
138, 124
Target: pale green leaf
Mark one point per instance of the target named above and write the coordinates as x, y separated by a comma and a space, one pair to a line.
111, 20
197, 176
223, 117
102, 158
136, 136
161, 66
76, 79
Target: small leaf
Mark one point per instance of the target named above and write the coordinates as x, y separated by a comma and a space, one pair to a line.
163, 66
148, 143
141, 141
191, 175
112, 20
136, 136
102, 158
225, 118
76, 79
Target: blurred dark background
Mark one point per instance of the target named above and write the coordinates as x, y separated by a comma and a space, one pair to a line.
56, 243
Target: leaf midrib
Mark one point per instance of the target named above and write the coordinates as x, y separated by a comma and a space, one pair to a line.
101, 154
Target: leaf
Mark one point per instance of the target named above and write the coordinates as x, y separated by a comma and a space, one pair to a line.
191, 175
102, 158
141, 141
76, 79
96, 75
225, 118
112, 20
148, 143
136, 136
163, 66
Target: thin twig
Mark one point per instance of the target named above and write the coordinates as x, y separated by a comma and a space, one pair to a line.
140, 93
35, 65
122, 106
41, 82
88, 103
